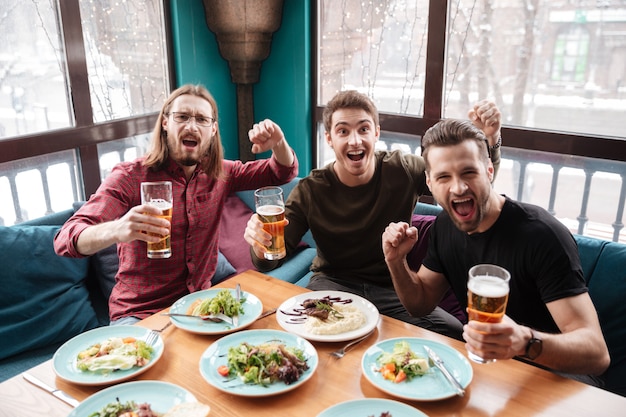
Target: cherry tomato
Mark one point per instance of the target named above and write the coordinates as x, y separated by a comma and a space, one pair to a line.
223, 370
400, 377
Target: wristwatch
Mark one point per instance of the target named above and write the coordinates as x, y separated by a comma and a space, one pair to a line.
534, 346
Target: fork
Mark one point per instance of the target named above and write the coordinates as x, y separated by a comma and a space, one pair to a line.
341, 352
217, 318
153, 336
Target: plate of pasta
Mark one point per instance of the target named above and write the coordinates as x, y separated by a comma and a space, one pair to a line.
328, 316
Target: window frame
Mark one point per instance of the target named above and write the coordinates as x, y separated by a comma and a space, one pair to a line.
559, 142
85, 136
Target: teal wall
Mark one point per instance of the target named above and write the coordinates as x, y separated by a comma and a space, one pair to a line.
283, 93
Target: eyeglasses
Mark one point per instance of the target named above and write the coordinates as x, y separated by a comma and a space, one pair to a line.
186, 118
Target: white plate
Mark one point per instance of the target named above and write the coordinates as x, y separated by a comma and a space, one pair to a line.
160, 395
429, 387
369, 309
215, 356
252, 310
64, 359
367, 407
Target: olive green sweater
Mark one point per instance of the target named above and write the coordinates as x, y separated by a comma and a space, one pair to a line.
347, 223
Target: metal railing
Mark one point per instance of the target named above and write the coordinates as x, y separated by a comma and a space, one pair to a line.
589, 166
521, 158
10, 171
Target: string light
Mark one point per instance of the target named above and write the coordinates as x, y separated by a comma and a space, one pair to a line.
365, 45
124, 46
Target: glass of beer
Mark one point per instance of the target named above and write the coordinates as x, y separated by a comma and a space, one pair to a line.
487, 295
270, 208
159, 194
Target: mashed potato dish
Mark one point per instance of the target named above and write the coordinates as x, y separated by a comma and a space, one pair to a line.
352, 319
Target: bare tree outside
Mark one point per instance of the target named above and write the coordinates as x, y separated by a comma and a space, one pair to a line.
544, 62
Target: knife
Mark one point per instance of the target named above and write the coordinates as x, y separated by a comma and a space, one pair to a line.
237, 297
219, 317
434, 358
56, 392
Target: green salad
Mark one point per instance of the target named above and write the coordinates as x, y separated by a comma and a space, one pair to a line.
113, 354
265, 364
401, 363
116, 409
223, 302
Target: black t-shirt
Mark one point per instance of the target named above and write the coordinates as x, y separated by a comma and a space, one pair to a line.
538, 251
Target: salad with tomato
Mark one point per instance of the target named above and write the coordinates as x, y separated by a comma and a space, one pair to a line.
134, 409
113, 354
125, 409
265, 364
402, 363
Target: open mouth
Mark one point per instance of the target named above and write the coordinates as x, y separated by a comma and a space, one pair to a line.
463, 207
190, 143
356, 155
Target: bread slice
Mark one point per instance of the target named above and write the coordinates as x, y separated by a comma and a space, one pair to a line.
189, 410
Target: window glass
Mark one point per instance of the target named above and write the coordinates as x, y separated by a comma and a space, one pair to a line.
33, 83
376, 47
7, 212
125, 50
33, 187
116, 151
550, 65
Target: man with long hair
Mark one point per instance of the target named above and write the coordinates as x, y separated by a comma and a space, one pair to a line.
185, 149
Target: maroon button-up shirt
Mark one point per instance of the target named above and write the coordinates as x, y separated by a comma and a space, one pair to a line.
145, 286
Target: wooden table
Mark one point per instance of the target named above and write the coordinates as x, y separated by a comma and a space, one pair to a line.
504, 388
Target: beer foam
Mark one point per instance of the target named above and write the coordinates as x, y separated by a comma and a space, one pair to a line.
488, 286
160, 203
270, 210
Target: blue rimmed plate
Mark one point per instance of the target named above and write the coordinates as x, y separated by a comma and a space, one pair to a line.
285, 319
371, 407
64, 359
215, 356
160, 395
430, 387
253, 307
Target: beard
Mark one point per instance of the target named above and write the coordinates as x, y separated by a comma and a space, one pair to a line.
188, 161
468, 227
182, 157
473, 224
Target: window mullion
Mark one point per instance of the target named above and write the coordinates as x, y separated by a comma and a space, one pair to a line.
435, 55
76, 61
